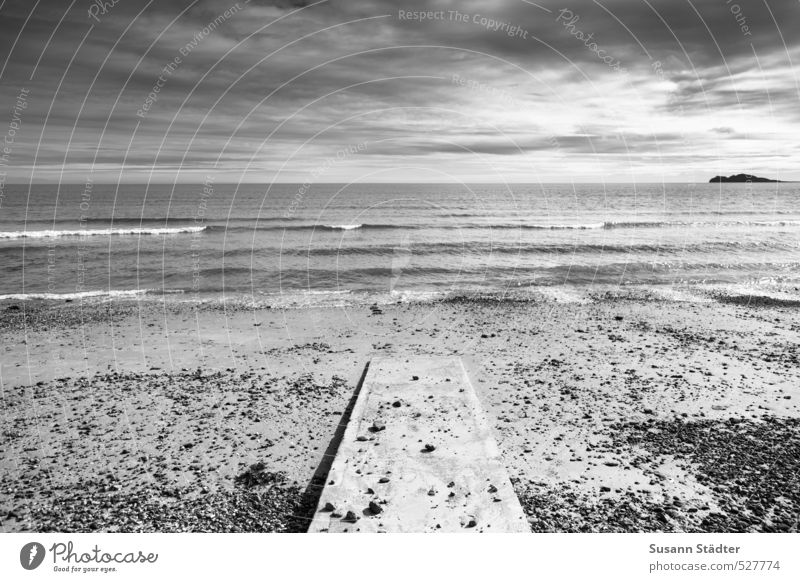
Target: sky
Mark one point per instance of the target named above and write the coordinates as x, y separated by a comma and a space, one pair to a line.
387, 91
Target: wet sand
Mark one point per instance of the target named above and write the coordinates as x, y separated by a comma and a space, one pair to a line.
616, 414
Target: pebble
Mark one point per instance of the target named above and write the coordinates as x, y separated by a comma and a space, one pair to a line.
350, 517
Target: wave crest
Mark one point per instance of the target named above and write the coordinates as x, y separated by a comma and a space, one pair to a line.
112, 294
343, 226
100, 232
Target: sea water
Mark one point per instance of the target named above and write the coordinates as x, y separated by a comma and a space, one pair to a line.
295, 243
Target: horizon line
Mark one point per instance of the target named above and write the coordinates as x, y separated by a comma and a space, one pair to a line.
154, 183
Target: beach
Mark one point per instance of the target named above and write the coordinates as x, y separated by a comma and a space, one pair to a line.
617, 410
344, 267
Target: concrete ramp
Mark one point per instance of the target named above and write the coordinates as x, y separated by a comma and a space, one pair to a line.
418, 456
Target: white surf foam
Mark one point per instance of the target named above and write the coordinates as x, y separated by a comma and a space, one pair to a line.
100, 232
113, 294
343, 226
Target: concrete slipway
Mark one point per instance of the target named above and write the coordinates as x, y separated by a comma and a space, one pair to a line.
418, 456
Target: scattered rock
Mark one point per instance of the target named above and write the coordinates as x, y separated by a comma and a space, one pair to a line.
350, 517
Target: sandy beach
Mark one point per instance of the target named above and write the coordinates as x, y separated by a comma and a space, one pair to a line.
621, 412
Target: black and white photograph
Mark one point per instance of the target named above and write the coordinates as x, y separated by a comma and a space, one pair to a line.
402, 267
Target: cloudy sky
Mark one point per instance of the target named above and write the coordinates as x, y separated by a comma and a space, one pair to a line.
368, 90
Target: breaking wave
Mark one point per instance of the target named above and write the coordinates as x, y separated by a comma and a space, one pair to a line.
100, 232
112, 294
343, 226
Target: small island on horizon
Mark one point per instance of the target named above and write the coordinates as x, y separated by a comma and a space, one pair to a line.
739, 178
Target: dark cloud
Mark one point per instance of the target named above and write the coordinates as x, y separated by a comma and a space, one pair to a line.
262, 77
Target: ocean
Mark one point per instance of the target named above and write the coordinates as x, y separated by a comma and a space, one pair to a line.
294, 244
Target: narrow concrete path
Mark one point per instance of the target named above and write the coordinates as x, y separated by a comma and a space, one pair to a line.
418, 456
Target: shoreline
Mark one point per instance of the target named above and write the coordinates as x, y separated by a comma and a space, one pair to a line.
781, 292
223, 412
